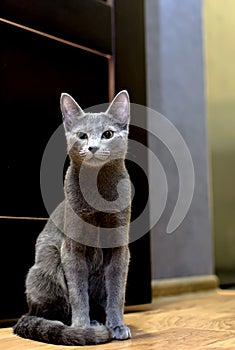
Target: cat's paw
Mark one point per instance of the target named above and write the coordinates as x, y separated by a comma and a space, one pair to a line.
121, 332
95, 323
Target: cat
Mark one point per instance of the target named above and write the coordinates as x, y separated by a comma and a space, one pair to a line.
76, 288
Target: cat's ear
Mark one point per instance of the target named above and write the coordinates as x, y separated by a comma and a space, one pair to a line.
120, 108
71, 111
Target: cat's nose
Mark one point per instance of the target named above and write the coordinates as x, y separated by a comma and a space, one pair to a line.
93, 149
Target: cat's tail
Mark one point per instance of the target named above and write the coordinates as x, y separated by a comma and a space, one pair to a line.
55, 332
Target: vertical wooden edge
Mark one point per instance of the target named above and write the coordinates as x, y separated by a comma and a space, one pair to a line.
111, 69
111, 61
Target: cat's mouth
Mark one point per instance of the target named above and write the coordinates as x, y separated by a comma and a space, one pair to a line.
95, 158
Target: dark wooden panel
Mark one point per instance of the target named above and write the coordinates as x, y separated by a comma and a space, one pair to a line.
84, 22
34, 71
130, 74
130, 49
18, 238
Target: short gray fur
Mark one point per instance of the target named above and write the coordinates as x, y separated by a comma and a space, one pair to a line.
76, 292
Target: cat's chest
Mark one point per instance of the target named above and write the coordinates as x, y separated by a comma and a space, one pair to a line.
94, 258
97, 258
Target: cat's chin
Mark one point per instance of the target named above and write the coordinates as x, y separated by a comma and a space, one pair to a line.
94, 162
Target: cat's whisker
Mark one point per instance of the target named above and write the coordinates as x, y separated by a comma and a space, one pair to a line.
102, 155
83, 153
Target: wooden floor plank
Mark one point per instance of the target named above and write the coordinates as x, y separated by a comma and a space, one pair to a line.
197, 321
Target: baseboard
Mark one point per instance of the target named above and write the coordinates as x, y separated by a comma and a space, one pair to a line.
8, 322
175, 286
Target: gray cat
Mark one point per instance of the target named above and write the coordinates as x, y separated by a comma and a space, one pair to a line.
76, 288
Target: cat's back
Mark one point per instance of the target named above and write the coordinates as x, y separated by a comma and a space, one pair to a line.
52, 234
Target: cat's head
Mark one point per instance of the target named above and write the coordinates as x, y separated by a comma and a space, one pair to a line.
96, 138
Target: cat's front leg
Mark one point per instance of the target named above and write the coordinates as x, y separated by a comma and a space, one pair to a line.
115, 280
76, 272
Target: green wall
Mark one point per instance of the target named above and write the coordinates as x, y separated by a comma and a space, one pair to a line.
219, 34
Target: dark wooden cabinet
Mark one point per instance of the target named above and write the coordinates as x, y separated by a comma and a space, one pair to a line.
49, 47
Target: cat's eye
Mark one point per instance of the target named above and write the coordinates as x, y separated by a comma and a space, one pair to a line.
82, 135
107, 134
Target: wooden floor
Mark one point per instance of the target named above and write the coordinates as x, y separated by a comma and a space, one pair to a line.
198, 321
